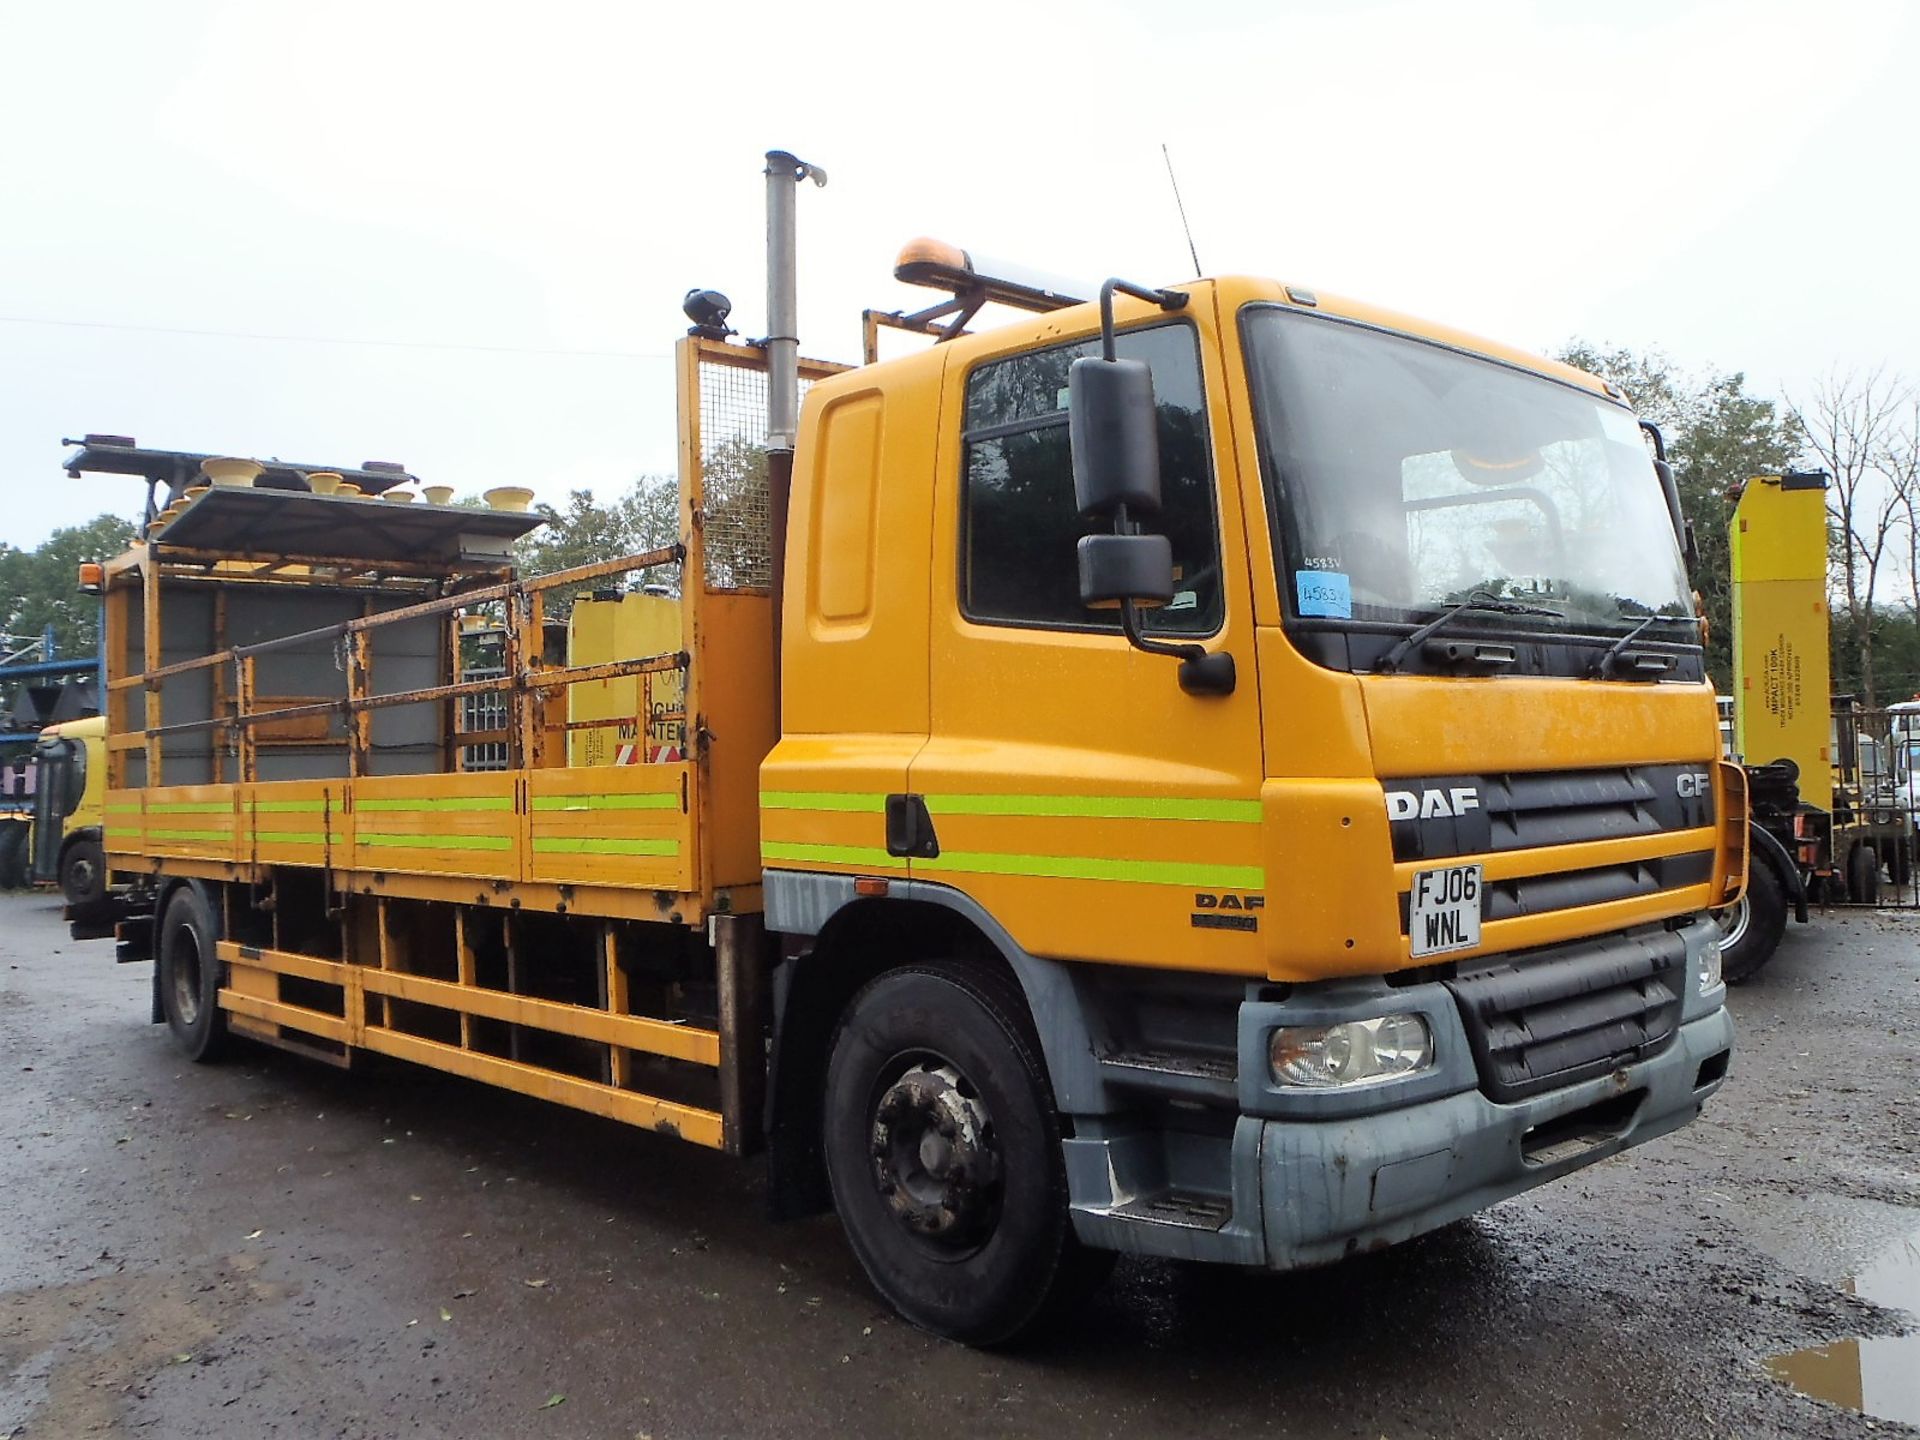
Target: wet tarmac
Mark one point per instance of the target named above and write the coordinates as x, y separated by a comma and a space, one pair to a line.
1879, 1376
272, 1247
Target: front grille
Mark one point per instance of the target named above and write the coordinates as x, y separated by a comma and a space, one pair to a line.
1596, 885
1555, 1017
1448, 815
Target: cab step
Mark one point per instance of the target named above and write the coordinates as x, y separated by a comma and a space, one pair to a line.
1183, 1209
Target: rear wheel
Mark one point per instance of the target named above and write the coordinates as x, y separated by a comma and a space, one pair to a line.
1751, 927
943, 1149
190, 976
83, 874
1900, 863
13, 854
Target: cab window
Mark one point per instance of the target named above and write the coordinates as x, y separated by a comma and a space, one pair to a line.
1019, 526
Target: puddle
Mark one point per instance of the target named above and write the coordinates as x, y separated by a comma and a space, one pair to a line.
1880, 1376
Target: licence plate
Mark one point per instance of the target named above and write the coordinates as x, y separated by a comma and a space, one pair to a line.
1444, 910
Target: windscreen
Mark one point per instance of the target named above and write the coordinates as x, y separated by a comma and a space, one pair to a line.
1406, 478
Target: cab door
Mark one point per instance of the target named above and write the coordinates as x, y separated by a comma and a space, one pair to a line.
1071, 787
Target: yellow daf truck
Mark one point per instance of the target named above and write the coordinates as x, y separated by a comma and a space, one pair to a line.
1220, 771
67, 813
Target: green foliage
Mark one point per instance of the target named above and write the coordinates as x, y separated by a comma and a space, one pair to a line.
38, 587
1717, 436
644, 516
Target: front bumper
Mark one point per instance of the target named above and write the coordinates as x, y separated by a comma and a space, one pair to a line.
1306, 1179
1331, 1190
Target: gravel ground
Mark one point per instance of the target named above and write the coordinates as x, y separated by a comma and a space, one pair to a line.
272, 1247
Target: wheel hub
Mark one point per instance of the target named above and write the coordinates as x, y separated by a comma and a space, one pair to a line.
186, 978
934, 1157
1733, 922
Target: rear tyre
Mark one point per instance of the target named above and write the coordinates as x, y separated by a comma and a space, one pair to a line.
1750, 929
1900, 863
189, 976
943, 1151
83, 874
13, 854
1863, 875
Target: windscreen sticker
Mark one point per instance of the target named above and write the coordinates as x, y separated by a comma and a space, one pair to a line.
1326, 593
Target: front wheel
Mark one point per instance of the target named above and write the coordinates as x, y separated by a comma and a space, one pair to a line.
943, 1150
83, 874
1751, 927
189, 976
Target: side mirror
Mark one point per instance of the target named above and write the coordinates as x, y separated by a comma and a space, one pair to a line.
1114, 430
1670, 488
1138, 568
1114, 433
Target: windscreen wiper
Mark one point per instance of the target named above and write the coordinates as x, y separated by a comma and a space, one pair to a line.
1619, 663
1492, 656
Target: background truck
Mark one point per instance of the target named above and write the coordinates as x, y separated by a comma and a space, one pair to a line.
1830, 814
1221, 772
68, 814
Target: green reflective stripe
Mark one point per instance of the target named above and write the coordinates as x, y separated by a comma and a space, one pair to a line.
643, 800
133, 809
840, 800
290, 807
440, 802
218, 835
1098, 807
571, 845
795, 852
297, 837
435, 842
1083, 867
190, 807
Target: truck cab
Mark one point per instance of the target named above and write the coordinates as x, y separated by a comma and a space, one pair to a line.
1407, 916
68, 848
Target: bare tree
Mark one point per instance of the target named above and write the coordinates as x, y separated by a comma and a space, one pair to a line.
1901, 462
1848, 427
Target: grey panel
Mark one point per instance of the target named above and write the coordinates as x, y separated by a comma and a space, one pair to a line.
408, 655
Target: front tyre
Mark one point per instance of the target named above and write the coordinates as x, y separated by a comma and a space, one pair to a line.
83, 874
943, 1150
1751, 927
190, 976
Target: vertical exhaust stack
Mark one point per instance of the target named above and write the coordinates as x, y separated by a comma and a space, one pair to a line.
784, 173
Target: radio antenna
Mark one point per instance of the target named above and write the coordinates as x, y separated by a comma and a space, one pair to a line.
1181, 207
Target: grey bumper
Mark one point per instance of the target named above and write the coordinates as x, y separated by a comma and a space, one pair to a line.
1305, 1178
1330, 1190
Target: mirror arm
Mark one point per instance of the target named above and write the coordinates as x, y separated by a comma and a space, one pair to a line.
1165, 299
1652, 432
1202, 671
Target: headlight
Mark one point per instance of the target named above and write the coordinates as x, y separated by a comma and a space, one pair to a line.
1358, 1052
1709, 966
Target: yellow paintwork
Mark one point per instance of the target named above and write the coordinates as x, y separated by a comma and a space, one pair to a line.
252, 994
92, 734
621, 629
1781, 665
1272, 795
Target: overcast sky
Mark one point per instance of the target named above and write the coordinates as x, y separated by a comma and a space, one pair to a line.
512, 200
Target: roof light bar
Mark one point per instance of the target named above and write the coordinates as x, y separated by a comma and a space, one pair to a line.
940, 266
970, 282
